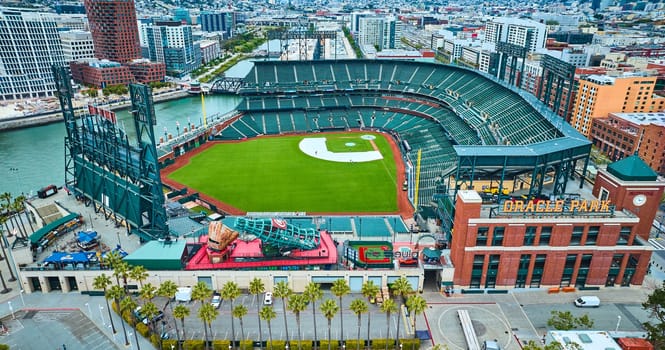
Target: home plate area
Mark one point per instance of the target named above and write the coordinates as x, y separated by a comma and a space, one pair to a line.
316, 147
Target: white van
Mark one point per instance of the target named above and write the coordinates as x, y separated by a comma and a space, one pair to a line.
588, 301
490, 345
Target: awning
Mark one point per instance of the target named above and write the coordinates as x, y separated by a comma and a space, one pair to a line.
68, 258
39, 234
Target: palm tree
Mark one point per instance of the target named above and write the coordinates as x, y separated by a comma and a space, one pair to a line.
313, 293
388, 307
207, 314
149, 310
138, 273
257, 288
359, 307
148, 292
369, 290
180, 312
201, 292
297, 303
283, 291
340, 288
116, 293
103, 282
230, 292
329, 308
401, 288
121, 272
19, 206
239, 311
168, 289
4, 245
416, 305
21, 200
128, 303
268, 314
111, 259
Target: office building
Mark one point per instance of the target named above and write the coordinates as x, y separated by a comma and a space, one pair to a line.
77, 45
145, 71
171, 43
100, 73
599, 95
114, 29
381, 32
623, 134
182, 15
29, 46
217, 22
516, 31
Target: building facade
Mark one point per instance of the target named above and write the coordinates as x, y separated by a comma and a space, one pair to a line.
171, 43
597, 96
517, 31
381, 32
545, 245
623, 134
29, 46
77, 45
100, 74
217, 22
114, 29
145, 71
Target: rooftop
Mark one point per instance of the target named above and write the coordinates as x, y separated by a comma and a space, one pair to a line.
632, 168
643, 118
591, 340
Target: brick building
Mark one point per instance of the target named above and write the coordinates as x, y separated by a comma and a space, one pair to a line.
100, 74
570, 241
145, 71
623, 134
114, 29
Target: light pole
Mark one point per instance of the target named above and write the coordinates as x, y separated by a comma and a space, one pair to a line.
129, 334
177, 127
101, 314
11, 309
618, 323
89, 310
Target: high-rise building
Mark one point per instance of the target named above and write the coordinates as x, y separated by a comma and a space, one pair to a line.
76, 45
114, 29
599, 95
384, 32
517, 31
217, 22
171, 42
29, 46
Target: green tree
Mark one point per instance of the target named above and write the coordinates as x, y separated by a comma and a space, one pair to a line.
297, 303
147, 292
180, 312
149, 310
283, 291
116, 293
313, 294
168, 289
103, 282
389, 307
369, 290
329, 308
230, 291
239, 311
139, 274
532, 345
127, 304
565, 321
256, 288
268, 314
400, 288
340, 288
416, 305
207, 314
359, 307
655, 327
121, 272
201, 292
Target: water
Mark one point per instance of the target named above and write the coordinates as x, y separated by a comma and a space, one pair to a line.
35, 157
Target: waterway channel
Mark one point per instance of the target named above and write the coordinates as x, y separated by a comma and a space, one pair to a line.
35, 157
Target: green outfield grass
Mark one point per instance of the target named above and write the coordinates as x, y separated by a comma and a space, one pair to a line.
272, 174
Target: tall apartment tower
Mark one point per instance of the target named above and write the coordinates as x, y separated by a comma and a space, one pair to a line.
30, 45
114, 29
599, 95
517, 31
383, 32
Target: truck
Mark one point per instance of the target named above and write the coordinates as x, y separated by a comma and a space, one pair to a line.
184, 294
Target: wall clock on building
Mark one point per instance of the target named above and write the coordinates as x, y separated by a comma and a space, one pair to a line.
639, 200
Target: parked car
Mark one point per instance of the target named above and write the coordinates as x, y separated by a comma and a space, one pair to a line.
267, 300
216, 300
139, 315
587, 301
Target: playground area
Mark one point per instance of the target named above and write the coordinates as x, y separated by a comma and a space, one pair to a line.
369, 254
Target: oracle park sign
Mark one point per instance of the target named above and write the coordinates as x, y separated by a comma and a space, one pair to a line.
556, 207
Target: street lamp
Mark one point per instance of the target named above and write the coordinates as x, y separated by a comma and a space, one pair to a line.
89, 310
618, 323
11, 309
101, 314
